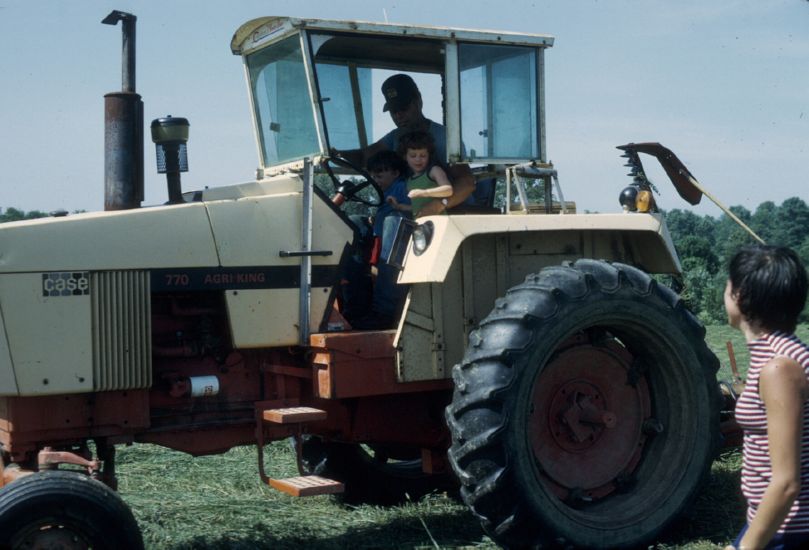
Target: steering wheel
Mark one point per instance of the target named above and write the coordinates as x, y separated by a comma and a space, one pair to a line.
347, 190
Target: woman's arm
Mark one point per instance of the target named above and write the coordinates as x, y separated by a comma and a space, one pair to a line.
442, 189
783, 389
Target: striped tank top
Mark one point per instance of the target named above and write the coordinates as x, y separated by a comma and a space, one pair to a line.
752, 417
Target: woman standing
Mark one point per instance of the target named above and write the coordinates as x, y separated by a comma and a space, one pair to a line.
765, 294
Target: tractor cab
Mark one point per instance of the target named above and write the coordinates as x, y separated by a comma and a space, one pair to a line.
314, 87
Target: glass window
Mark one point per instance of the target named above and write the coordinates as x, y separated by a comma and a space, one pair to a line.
499, 101
350, 71
284, 113
342, 119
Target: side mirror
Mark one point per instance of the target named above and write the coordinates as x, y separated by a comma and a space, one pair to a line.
404, 230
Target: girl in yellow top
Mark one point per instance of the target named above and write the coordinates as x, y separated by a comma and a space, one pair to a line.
427, 180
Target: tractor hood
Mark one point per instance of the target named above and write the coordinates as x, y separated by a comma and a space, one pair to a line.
130, 239
83, 284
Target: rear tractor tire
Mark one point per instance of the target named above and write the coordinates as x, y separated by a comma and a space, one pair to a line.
585, 411
60, 509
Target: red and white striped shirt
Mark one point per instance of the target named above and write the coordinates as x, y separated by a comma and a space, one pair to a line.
751, 415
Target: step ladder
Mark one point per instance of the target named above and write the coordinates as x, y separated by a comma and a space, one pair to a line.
299, 486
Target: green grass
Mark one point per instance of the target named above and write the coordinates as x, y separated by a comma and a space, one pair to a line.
182, 502
217, 502
717, 337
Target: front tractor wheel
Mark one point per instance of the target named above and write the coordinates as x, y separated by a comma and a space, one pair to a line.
60, 509
585, 411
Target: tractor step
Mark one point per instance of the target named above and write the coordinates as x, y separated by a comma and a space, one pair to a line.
293, 415
307, 486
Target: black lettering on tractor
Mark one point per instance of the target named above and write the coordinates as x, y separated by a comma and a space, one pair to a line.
239, 278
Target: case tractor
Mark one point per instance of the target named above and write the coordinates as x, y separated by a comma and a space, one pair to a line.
539, 365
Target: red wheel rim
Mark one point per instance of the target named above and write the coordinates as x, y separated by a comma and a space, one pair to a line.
586, 420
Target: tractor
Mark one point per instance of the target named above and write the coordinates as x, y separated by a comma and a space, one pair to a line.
543, 365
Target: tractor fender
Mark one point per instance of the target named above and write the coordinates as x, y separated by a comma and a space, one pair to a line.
642, 240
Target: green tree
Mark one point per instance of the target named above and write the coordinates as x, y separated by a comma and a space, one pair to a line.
762, 221
682, 223
803, 251
791, 223
695, 246
12, 214
730, 236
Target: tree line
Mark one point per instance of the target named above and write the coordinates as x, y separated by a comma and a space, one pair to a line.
12, 214
705, 244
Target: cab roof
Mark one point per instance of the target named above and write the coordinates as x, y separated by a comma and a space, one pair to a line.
262, 30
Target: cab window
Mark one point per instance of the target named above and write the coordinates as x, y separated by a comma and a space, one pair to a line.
284, 115
499, 101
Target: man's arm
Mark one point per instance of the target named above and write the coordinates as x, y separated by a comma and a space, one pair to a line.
463, 185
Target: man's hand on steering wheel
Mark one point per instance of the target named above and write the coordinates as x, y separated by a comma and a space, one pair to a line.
347, 190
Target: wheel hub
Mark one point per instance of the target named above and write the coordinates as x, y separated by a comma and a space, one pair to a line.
586, 422
577, 416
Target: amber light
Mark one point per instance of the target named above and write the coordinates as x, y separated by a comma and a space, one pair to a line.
644, 201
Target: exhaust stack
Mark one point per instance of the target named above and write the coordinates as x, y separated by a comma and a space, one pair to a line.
123, 128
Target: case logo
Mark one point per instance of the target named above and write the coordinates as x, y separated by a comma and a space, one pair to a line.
66, 283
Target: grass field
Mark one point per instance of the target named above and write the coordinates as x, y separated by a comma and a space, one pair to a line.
215, 502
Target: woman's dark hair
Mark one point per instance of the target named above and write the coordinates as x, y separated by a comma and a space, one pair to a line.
416, 140
770, 285
384, 160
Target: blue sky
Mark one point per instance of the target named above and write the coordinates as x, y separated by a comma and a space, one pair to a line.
724, 84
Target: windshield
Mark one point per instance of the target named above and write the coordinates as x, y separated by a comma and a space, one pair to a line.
284, 116
350, 71
491, 111
350, 128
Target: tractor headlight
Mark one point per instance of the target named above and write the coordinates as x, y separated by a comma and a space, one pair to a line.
628, 198
422, 236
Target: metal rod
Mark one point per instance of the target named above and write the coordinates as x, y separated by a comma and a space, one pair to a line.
726, 210
732, 356
128, 21
452, 99
128, 54
294, 254
172, 152
355, 95
306, 246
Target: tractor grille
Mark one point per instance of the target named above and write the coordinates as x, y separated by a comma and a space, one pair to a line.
121, 330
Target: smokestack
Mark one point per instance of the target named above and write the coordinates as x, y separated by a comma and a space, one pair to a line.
123, 128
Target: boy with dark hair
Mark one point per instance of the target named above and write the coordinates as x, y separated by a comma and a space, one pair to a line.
388, 170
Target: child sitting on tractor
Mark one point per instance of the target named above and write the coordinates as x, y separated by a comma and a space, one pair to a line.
427, 180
